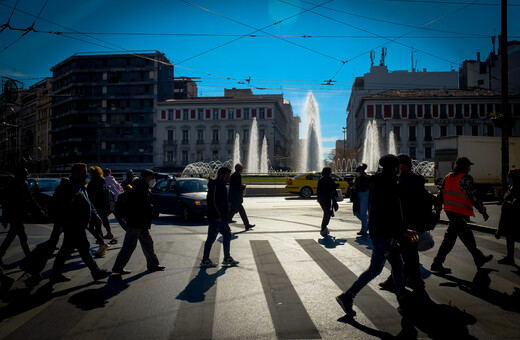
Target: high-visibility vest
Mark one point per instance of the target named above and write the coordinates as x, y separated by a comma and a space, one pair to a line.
455, 200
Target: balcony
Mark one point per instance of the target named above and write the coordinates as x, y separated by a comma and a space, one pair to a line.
428, 138
412, 139
200, 141
169, 143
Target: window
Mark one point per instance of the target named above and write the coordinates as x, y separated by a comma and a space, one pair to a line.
245, 135
171, 135
231, 135
231, 113
459, 130
379, 113
246, 113
215, 114
458, 111
200, 156
370, 111
215, 155
397, 113
261, 113
411, 133
411, 111
200, 136
397, 133
474, 110
185, 114
413, 153
200, 114
185, 157
427, 152
169, 156
444, 130
443, 111
214, 135
170, 114
482, 110
185, 136
474, 130
427, 132
387, 111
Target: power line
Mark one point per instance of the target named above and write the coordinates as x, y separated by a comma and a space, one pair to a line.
451, 2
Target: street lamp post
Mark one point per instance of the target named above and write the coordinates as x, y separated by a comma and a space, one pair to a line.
344, 142
274, 144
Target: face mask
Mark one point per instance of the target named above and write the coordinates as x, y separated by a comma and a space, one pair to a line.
358, 174
152, 182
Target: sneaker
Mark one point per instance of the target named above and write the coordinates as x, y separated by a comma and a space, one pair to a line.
249, 226
507, 260
59, 278
362, 233
121, 271
100, 274
347, 304
388, 285
156, 268
483, 261
438, 267
324, 232
230, 262
102, 248
108, 236
207, 263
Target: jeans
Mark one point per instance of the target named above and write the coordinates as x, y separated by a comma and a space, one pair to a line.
134, 234
16, 228
327, 213
362, 215
74, 239
384, 248
214, 228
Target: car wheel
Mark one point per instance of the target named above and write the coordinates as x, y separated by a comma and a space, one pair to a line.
306, 192
185, 213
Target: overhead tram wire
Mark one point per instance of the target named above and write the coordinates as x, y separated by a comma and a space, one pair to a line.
390, 40
398, 23
7, 24
259, 30
451, 2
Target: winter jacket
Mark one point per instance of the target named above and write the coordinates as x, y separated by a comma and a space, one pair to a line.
98, 194
384, 210
217, 200
19, 200
416, 202
140, 208
236, 188
326, 190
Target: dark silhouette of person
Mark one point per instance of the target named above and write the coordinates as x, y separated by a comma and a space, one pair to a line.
218, 216
78, 212
359, 196
98, 194
138, 224
326, 193
236, 196
385, 227
458, 195
508, 225
15, 207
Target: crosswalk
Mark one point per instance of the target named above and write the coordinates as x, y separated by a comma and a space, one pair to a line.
283, 288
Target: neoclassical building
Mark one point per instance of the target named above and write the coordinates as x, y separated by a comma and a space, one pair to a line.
204, 128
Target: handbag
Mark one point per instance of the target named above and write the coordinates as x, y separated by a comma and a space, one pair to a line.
339, 195
426, 241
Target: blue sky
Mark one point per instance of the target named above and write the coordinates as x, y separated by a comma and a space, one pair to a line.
226, 42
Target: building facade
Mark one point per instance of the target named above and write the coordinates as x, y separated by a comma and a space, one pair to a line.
104, 107
416, 117
204, 128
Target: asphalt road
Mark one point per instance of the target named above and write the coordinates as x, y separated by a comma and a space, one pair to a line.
284, 286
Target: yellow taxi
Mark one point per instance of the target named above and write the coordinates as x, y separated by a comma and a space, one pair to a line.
306, 184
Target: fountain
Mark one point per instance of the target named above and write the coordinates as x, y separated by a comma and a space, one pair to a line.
253, 160
312, 154
236, 151
263, 157
392, 148
371, 147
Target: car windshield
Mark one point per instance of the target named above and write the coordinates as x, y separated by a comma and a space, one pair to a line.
186, 186
48, 185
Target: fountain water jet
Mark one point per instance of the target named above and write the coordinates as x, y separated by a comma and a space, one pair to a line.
264, 166
392, 148
253, 160
371, 147
236, 150
312, 154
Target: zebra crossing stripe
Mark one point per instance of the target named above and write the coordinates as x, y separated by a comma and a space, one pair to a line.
197, 309
290, 319
380, 312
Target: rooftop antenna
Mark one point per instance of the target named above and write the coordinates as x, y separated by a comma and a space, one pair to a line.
413, 69
383, 55
372, 56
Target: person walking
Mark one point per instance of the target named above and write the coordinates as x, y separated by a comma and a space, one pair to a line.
458, 195
218, 216
114, 189
15, 206
360, 193
129, 178
98, 194
508, 225
138, 224
77, 214
385, 227
326, 193
236, 196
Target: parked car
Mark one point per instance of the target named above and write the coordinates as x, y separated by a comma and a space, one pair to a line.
42, 190
306, 184
181, 196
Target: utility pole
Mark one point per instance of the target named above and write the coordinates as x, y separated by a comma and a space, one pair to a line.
505, 92
344, 142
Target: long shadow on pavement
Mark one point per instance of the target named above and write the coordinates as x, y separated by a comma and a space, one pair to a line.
199, 285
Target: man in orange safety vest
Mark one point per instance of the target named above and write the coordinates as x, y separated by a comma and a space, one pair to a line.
458, 195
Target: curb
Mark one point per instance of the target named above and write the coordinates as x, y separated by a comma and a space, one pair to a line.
477, 227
